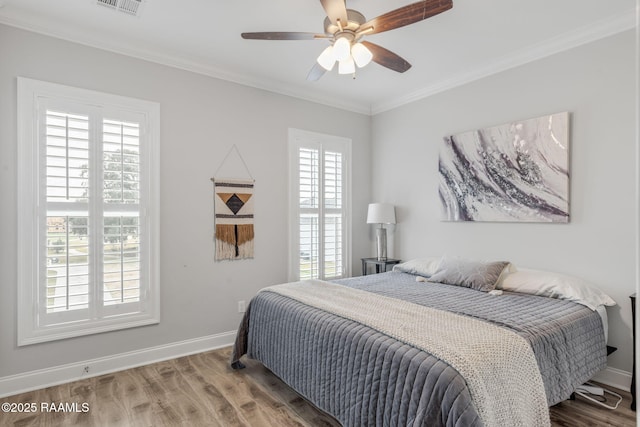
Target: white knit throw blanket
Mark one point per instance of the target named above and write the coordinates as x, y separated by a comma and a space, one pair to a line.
498, 365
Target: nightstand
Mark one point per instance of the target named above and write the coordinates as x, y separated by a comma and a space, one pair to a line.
633, 373
381, 266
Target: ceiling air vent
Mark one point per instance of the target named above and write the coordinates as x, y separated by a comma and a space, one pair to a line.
130, 7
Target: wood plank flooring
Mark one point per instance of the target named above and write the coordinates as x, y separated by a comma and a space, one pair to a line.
201, 390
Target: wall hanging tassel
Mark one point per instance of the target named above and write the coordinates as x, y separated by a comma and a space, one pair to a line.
234, 221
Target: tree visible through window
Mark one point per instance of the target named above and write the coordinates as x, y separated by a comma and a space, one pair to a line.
98, 269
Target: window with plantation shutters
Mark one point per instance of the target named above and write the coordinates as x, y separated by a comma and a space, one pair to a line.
88, 212
319, 172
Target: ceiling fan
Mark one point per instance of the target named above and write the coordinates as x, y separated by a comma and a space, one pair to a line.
344, 28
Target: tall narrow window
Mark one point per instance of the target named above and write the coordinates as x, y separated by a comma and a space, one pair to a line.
319, 181
88, 212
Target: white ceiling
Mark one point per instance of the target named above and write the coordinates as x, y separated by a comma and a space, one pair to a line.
474, 39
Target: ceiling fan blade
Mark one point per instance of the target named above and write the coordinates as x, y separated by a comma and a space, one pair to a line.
406, 15
282, 36
316, 72
386, 58
336, 10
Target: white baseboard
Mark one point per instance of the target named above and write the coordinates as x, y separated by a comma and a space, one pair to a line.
614, 378
42, 378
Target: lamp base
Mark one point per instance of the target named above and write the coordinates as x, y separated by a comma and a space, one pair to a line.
381, 238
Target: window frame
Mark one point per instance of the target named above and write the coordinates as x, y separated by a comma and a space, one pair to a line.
306, 139
33, 97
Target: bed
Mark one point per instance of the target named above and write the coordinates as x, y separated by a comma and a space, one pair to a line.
373, 367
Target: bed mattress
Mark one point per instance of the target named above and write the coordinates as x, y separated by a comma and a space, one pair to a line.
364, 377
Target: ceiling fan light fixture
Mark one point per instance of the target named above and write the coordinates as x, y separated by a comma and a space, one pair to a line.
346, 66
341, 49
344, 28
361, 55
327, 59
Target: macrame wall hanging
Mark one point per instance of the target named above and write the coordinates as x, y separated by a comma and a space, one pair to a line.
233, 208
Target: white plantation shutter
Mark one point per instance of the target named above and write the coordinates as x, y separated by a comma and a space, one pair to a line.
319, 233
67, 152
66, 147
333, 214
121, 222
91, 162
308, 220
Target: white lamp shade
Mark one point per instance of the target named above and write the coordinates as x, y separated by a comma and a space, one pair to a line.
341, 49
361, 55
381, 213
326, 59
346, 66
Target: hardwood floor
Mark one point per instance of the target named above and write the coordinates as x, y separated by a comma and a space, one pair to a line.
201, 390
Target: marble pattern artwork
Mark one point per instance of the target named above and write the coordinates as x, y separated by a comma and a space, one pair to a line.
517, 172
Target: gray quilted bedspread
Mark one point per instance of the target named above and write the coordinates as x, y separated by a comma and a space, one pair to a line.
365, 378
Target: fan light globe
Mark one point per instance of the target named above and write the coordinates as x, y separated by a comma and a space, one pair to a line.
346, 66
361, 55
326, 59
341, 49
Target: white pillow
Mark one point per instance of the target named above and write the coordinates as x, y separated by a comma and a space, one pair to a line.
554, 285
424, 267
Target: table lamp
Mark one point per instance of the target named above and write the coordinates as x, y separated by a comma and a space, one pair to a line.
381, 213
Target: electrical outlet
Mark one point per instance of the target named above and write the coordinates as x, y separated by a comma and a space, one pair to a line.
241, 306
85, 370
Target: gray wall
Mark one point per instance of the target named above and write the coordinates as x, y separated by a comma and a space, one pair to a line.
596, 84
201, 118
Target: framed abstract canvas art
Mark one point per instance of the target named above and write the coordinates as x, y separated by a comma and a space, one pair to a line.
517, 172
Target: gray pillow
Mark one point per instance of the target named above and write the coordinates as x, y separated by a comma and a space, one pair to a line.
482, 276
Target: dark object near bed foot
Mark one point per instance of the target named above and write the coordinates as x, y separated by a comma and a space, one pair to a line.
237, 365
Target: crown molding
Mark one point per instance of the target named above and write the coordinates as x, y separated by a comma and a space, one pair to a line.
563, 42
158, 57
569, 40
